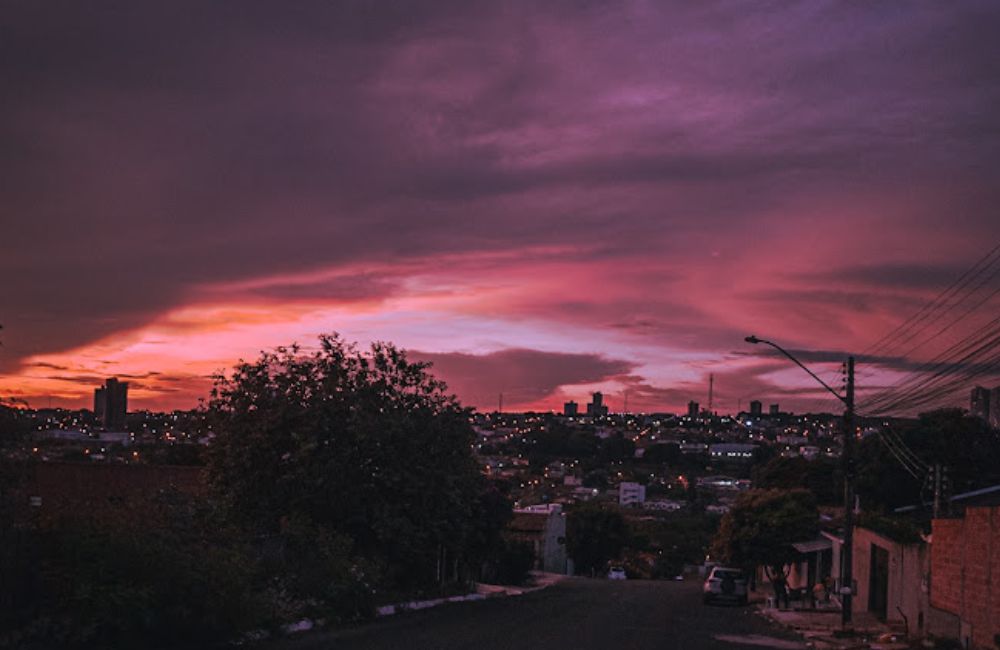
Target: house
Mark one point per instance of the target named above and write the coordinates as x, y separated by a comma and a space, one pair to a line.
99, 491
809, 452
544, 527
814, 563
631, 494
892, 577
693, 448
732, 451
965, 575
663, 504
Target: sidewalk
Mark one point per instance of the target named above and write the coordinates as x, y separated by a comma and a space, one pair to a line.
537, 580
822, 627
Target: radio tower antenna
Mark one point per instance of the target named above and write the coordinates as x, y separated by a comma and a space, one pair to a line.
711, 390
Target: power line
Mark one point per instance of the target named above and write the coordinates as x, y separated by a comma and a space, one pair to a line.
944, 373
972, 356
887, 341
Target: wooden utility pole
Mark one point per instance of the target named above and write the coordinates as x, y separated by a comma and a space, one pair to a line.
847, 568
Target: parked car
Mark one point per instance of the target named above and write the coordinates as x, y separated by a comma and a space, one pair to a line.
616, 573
725, 584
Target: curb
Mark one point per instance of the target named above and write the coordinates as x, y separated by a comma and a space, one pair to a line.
483, 591
821, 639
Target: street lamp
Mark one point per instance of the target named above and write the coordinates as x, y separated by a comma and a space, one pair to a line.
847, 459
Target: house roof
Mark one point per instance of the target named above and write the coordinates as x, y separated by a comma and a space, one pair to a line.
988, 496
528, 522
813, 545
985, 497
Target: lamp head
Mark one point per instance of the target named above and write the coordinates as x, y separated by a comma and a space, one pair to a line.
752, 339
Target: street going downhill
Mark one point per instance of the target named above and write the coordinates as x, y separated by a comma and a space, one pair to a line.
577, 614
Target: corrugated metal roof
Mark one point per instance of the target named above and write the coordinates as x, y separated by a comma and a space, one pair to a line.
813, 545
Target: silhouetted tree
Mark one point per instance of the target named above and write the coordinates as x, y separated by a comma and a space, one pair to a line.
360, 446
762, 525
820, 476
666, 454
962, 444
595, 536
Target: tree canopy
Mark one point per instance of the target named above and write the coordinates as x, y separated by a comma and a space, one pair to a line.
595, 535
821, 476
364, 445
967, 450
763, 524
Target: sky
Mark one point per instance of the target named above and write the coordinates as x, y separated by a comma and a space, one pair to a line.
541, 199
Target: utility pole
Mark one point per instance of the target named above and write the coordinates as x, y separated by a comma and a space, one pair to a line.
847, 458
846, 567
937, 490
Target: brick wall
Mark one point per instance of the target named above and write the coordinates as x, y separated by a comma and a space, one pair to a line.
947, 558
96, 491
965, 557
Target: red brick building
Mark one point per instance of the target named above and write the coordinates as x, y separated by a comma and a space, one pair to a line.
95, 491
965, 573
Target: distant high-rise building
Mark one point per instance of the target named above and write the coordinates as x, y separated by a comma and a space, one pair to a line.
692, 409
995, 408
979, 403
99, 401
111, 404
571, 409
756, 408
774, 410
596, 408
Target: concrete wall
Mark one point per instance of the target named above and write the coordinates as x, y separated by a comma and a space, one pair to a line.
553, 557
965, 559
909, 564
546, 532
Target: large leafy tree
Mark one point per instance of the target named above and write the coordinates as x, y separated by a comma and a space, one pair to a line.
595, 535
820, 476
365, 446
967, 450
762, 525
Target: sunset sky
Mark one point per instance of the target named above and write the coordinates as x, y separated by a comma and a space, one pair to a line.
541, 198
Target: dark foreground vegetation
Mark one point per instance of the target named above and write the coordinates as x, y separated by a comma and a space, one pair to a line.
336, 480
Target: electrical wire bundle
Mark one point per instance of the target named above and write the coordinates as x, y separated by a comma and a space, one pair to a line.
964, 319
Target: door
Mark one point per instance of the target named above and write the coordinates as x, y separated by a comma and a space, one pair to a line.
878, 582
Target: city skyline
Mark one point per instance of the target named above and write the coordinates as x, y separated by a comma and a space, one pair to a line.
544, 202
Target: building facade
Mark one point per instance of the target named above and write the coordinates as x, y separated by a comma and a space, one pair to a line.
596, 408
544, 528
111, 404
631, 494
965, 574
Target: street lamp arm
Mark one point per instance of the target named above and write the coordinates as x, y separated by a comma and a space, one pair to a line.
754, 339
847, 458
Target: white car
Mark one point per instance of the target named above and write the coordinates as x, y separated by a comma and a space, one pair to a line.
616, 573
724, 583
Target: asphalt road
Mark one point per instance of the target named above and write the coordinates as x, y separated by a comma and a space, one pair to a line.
577, 614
